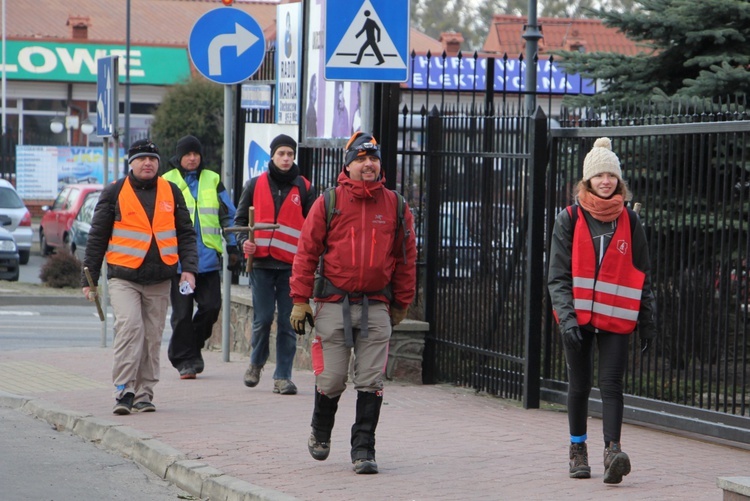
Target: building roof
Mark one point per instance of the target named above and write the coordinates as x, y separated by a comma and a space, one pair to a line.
152, 22
589, 35
421, 43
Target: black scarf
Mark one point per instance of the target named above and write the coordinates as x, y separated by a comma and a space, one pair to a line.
282, 177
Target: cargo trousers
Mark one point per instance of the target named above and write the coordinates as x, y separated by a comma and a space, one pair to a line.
331, 357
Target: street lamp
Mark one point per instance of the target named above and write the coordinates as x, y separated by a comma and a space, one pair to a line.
87, 127
72, 122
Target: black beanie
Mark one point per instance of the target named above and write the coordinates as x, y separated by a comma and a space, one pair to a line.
143, 148
283, 140
361, 144
188, 144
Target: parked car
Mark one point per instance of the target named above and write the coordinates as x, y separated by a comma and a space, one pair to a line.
14, 210
79, 231
9, 259
54, 229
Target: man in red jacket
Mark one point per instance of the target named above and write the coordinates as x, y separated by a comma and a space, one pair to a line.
366, 282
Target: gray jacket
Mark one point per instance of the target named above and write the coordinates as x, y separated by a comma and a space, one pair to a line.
560, 274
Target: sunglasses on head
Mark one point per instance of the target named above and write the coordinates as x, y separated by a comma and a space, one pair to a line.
366, 147
150, 147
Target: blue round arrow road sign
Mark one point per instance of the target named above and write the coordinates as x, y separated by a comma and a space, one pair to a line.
227, 45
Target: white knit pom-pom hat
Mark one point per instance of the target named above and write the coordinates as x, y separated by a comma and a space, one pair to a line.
601, 159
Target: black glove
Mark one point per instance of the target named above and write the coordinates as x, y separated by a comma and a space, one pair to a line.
572, 338
234, 257
645, 345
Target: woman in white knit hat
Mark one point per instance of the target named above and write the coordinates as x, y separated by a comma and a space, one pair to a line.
600, 286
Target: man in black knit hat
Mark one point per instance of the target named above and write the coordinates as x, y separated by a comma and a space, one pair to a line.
142, 227
280, 195
211, 209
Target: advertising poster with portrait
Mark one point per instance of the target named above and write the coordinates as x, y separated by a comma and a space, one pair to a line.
288, 70
332, 109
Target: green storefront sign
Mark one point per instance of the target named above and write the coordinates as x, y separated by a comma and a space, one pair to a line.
69, 62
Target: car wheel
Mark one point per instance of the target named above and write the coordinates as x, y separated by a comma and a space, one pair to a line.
24, 257
45, 249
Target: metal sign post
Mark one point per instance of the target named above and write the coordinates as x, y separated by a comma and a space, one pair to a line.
227, 46
107, 113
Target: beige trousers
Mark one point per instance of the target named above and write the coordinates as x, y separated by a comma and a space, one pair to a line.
140, 313
331, 355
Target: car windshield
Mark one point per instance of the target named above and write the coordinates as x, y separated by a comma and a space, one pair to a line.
9, 199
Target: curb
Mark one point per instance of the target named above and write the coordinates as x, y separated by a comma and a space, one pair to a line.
194, 477
9, 300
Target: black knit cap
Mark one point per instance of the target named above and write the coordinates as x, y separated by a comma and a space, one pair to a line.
143, 148
283, 140
359, 145
188, 144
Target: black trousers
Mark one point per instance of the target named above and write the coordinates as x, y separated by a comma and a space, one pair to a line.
613, 359
190, 332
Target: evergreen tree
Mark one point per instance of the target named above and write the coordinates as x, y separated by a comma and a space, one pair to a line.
196, 108
688, 49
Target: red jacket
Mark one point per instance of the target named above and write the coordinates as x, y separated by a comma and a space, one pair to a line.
611, 299
364, 251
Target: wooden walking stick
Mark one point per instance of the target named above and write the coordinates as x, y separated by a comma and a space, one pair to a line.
93, 293
250, 229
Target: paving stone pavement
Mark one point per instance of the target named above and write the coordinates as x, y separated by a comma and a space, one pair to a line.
217, 439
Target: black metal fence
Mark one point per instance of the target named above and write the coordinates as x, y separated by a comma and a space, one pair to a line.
485, 181
693, 180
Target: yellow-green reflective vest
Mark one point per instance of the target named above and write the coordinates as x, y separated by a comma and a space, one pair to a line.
207, 204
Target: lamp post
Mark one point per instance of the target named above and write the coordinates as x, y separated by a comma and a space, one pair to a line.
71, 123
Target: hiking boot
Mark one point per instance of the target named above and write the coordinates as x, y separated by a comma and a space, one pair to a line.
365, 466
616, 464
284, 387
199, 364
318, 450
252, 375
579, 461
144, 407
187, 371
124, 404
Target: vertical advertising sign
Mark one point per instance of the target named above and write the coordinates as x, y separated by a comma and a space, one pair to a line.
332, 109
288, 70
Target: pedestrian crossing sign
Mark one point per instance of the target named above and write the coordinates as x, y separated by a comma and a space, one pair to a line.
367, 40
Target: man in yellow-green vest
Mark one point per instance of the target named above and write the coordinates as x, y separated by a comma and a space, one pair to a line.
211, 209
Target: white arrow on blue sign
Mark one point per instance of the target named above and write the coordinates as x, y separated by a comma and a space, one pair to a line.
106, 95
227, 45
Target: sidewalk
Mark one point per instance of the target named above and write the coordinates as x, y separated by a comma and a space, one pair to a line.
214, 437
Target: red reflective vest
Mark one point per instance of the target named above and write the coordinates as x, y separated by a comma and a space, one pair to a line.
611, 299
131, 236
279, 243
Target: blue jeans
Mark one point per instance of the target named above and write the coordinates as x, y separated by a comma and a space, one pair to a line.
270, 292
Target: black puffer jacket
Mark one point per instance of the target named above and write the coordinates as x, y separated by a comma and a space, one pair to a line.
153, 269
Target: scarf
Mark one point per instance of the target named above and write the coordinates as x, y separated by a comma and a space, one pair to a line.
605, 210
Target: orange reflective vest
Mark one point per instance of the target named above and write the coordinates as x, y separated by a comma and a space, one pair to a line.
611, 299
280, 243
131, 236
